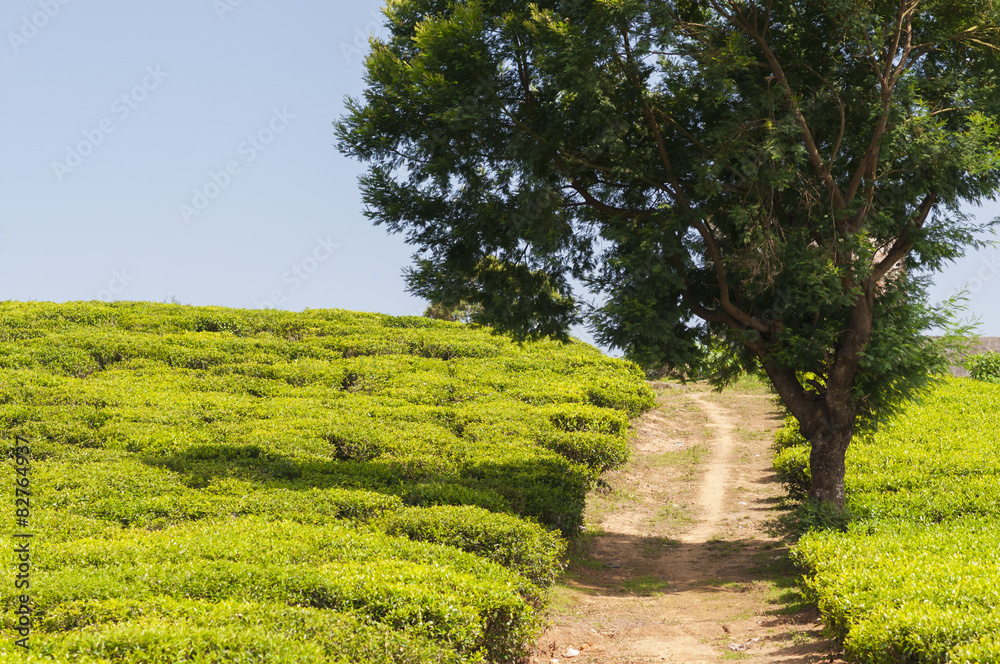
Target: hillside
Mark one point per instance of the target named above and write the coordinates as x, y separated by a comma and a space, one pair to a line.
219, 485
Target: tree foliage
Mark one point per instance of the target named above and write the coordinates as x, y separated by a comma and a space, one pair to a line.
776, 179
463, 312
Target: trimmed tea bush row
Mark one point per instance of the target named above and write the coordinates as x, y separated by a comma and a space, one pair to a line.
910, 592
218, 485
507, 540
916, 577
256, 567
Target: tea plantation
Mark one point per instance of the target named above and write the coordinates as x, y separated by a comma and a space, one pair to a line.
220, 485
916, 577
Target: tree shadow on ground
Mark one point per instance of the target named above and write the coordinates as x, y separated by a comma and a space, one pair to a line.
621, 566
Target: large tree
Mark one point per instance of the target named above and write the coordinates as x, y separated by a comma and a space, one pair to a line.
775, 180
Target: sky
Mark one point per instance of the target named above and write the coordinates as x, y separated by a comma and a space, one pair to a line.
184, 150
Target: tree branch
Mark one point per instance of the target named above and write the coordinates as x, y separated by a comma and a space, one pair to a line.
709, 315
807, 411
843, 116
822, 168
888, 77
661, 147
720, 273
604, 208
902, 245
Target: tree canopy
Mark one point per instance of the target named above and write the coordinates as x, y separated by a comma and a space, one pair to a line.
777, 179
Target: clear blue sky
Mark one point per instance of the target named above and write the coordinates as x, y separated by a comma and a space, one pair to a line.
186, 149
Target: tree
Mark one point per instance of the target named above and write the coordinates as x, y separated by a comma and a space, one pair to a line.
463, 312
776, 179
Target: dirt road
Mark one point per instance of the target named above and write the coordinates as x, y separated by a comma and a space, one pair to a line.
680, 562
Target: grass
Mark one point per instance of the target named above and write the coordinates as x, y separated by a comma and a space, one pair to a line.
672, 516
721, 547
645, 585
562, 600
608, 498
750, 434
731, 655
578, 551
749, 384
687, 459
782, 589
719, 583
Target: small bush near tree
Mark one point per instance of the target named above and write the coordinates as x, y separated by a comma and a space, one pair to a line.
985, 366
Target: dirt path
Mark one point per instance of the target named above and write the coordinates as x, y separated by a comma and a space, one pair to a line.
714, 482
679, 563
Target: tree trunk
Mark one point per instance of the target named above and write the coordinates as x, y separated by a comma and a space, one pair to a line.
827, 424
826, 464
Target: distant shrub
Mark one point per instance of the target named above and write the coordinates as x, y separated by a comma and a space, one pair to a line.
358, 447
552, 490
578, 417
633, 399
985, 366
341, 504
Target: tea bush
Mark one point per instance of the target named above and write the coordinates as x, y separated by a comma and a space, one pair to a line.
222, 485
791, 466
788, 435
475, 608
514, 543
916, 576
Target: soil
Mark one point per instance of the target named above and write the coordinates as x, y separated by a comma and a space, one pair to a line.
681, 560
